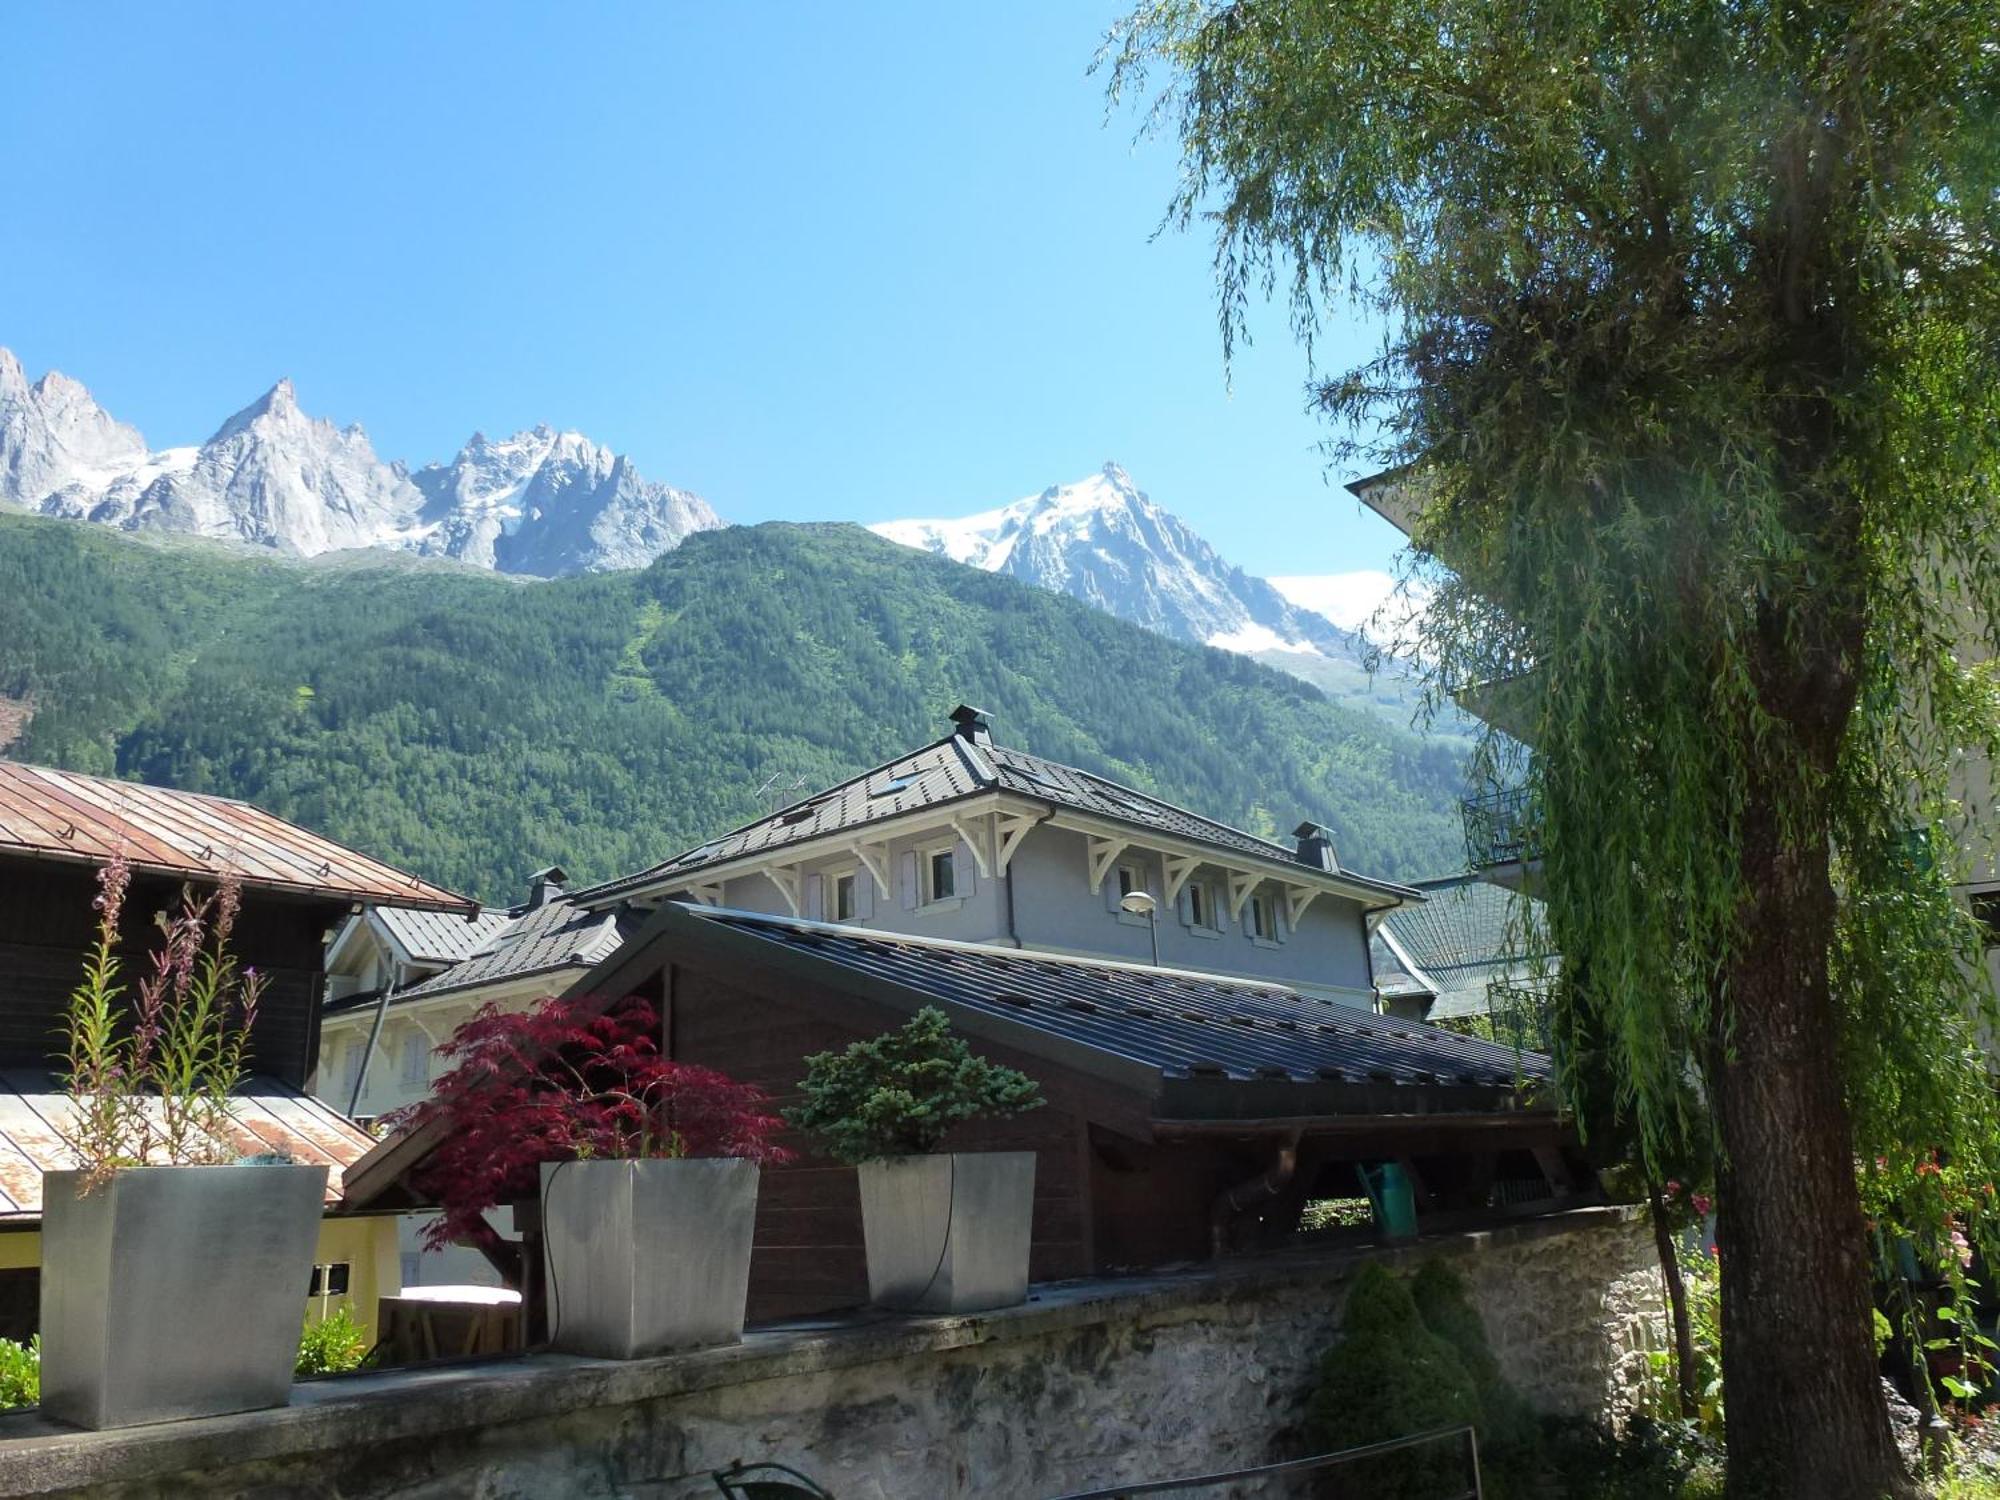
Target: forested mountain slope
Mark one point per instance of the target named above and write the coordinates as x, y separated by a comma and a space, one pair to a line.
473, 728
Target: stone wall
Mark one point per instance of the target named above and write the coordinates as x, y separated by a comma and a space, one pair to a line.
1088, 1384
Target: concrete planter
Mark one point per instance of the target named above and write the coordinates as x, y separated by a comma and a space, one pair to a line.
948, 1233
646, 1256
175, 1292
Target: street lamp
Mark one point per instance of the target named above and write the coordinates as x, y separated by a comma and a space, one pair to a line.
1142, 904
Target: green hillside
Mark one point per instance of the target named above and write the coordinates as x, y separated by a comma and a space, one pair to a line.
472, 727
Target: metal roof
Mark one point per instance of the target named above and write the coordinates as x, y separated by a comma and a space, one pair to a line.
50, 814
1466, 936
949, 770
1182, 1024
444, 937
556, 935
264, 1117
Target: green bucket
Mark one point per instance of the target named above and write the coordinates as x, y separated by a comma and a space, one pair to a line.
1389, 1194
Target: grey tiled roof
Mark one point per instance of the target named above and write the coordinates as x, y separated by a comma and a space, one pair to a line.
1466, 936
440, 937
946, 771
1188, 1026
556, 935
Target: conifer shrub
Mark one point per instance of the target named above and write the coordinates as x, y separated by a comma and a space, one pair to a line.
900, 1093
1391, 1376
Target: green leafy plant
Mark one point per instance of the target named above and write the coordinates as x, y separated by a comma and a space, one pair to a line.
149, 1073
898, 1094
332, 1345
1701, 1277
20, 1372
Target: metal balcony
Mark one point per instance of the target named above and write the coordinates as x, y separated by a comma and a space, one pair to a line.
1498, 828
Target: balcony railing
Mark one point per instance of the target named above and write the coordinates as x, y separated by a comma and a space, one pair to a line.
1498, 828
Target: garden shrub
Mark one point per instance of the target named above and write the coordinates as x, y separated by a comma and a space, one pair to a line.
1509, 1429
332, 1345
21, 1372
1390, 1376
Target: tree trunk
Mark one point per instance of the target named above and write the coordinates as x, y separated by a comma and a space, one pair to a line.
1677, 1304
1806, 1415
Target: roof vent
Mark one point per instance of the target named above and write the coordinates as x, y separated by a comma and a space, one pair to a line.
969, 724
1315, 847
545, 885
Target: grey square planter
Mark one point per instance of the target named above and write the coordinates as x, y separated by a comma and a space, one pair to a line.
948, 1233
646, 1256
175, 1292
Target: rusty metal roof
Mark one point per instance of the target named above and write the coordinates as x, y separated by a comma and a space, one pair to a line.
50, 814
265, 1117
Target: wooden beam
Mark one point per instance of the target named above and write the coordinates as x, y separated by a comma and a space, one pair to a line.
874, 858
975, 839
1102, 853
1297, 899
1241, 884
786, 879
1012, 828
1178, 869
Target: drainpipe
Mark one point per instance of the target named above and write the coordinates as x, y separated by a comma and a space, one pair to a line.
1265, 1186
368, 1052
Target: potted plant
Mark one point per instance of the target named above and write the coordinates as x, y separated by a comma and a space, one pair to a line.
173, 1275
946, 1231
647, 1171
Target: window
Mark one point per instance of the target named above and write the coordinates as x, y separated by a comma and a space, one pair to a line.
1264, 917
843, 898
1200, 907
1986, 912
1129, 880
940, 875
331, 1280
416, 1057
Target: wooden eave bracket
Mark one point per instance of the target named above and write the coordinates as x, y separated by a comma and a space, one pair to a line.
1009, 829
1297, 899
788, 881
1179, 868
874, 858
1102, 852
979, 839
1241, 884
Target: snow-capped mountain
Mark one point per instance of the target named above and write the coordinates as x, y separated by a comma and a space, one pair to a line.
1103, 541
540, 502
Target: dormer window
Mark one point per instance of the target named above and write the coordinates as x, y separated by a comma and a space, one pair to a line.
1199, 903
844, 898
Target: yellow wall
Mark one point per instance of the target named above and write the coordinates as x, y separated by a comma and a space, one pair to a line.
368, 1245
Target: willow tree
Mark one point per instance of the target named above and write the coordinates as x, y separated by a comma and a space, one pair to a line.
1693, 312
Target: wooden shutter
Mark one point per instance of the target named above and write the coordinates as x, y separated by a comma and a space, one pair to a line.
815, 899
964, 870
908, 865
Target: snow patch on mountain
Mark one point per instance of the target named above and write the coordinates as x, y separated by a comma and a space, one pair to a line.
1103, 540
540, 502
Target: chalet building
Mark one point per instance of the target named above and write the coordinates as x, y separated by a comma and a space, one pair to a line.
969, 840
1187, 1113
1195, 1102
400, 982
57, 828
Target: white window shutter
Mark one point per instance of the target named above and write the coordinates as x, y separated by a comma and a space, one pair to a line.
1282, 928
864, 894
965, 869
909, 867
1186, 902
815, 902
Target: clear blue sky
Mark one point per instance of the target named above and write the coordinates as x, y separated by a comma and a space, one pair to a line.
814, 261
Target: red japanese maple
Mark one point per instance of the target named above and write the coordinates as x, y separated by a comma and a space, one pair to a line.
563, 1082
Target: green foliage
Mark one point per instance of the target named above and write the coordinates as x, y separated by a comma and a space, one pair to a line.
474, 728
1391, 1376
1650, 1460
900, 1093
20, 1372
1702, 1282
333, 1344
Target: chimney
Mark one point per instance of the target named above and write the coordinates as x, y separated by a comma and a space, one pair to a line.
969, 724
545, 885
1316, 847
